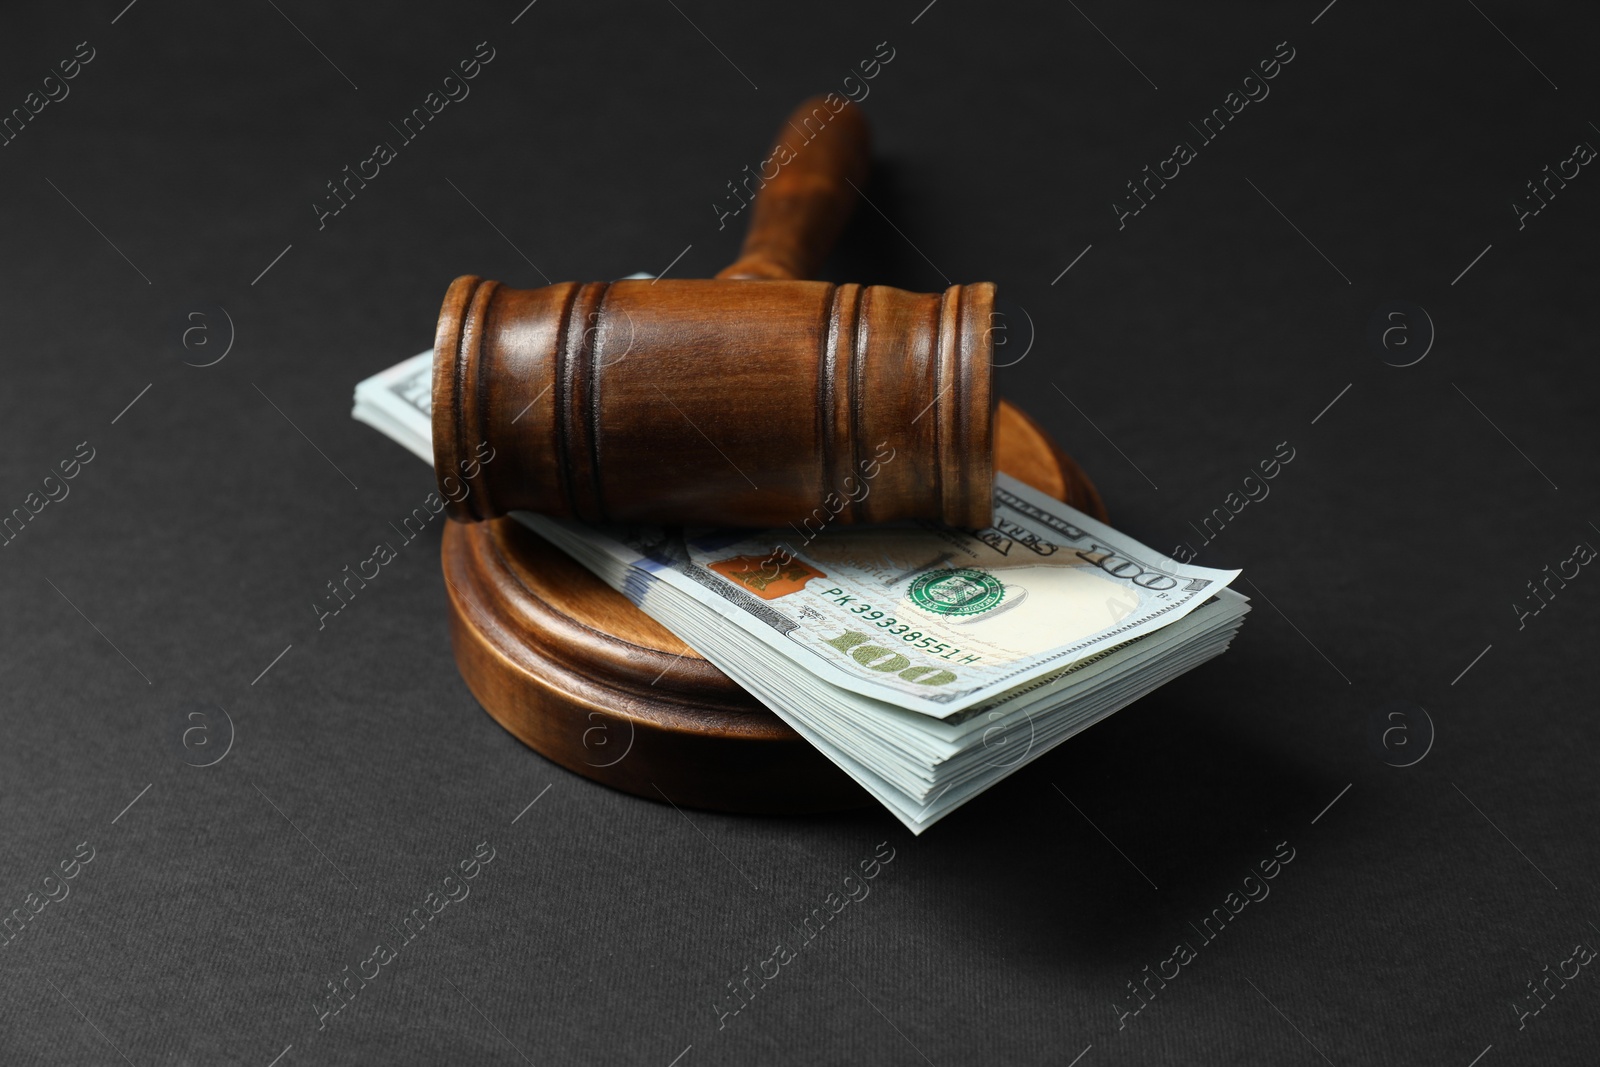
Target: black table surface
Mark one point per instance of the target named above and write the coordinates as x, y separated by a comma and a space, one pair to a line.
1349, 266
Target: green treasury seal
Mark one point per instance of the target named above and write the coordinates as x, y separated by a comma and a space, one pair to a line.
957, 592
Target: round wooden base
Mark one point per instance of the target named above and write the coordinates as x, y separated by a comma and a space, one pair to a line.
572, 669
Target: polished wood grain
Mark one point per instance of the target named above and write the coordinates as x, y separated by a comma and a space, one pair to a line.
726, 403
752, 399
820, 159
572, 669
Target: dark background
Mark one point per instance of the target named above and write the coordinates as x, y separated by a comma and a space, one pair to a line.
1190, 343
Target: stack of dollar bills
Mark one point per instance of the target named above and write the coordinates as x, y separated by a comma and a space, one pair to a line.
928, 662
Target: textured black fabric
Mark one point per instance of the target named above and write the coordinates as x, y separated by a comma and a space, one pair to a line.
182, 171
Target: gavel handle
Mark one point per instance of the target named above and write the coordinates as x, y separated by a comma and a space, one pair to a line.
801, 209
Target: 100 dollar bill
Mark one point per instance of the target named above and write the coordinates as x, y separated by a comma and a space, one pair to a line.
922, 616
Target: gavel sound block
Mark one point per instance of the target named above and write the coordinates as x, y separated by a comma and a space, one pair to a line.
749, 399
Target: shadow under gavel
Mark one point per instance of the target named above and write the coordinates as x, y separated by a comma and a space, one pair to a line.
752, 399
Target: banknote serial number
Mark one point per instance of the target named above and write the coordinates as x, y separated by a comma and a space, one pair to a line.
894, 627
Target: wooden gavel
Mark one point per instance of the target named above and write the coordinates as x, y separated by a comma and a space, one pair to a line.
753, 399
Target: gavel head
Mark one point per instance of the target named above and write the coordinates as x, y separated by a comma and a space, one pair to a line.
717, 403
